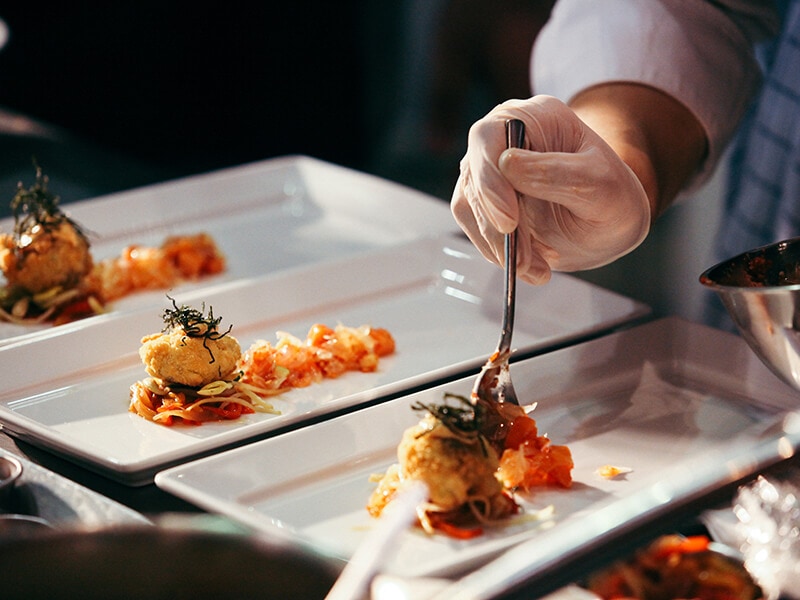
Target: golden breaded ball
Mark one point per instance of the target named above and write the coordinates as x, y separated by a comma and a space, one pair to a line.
46, 257
453, 469
175, 357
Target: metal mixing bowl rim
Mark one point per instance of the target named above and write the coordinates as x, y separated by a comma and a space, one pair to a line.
710, 283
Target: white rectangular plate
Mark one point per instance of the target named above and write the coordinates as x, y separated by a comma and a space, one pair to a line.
68, 391
665, 399
265, 217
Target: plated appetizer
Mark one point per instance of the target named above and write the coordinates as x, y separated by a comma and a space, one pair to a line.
198, 373
674, 566
473, 459
45, 259
193, 372
51, 275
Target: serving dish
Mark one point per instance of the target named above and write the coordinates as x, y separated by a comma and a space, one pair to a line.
760, 289
668, 400
62, 503
68, 391
265, 217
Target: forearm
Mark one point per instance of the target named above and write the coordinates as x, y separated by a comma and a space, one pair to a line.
691, 51
654, 134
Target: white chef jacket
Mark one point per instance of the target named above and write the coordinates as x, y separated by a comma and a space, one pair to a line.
701, 53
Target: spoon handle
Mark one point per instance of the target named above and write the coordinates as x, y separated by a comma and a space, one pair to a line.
515, 138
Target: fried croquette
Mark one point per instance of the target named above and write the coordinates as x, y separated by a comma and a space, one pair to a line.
49, 255
174, 357
455, 469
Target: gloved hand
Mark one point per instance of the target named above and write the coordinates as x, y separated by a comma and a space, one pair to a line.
580, 205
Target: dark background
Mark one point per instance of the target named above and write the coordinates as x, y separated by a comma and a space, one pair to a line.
139, 92
178, 88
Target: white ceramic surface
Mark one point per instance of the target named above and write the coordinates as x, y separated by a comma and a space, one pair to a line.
68, 390
668, 399
266, 217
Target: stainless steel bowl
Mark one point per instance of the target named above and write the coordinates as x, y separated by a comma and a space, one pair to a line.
760, 289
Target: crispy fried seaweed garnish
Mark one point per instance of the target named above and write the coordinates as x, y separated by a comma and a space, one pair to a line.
479, 420
462, 419
195, 324
36, 205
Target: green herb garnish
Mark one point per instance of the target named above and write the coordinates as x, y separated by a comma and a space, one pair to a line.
195, 324
37, 206
464, 419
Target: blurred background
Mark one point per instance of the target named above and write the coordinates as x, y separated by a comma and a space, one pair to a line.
109, 96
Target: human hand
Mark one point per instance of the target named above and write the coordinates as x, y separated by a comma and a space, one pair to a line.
580, 206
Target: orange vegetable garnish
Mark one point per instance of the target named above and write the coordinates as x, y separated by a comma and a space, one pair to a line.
674, 544
325, 353
530, 460
522, 429
458, 533
140, 268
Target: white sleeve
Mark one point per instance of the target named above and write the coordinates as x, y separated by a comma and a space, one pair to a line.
700, 53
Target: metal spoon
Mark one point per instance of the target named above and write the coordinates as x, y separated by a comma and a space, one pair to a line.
494, 382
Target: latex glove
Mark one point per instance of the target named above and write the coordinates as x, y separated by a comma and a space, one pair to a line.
581, 206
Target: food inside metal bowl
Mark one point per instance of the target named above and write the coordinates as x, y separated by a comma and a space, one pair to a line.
761, 291
157, 562
774, 265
